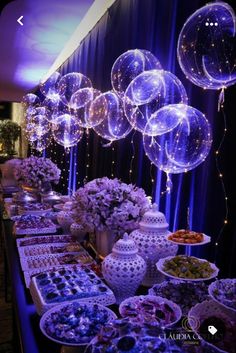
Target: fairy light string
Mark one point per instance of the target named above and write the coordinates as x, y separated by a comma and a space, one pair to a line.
220, 174
113, 161
87, 159
132, 157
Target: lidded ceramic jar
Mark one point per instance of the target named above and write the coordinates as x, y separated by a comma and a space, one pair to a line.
151, 240
124, 269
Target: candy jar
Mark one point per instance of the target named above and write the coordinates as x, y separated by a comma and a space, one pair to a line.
151, 239
124, 269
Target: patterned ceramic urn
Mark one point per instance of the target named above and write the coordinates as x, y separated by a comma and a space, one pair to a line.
152, 243
124, 269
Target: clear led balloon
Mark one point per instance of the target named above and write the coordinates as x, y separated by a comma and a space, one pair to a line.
147, 93
30, 99
129, 65
84, 116
206, 46
185, 146
39, 121
55, 108
42, 143
70, 83
49, 87
114, 125
66, 130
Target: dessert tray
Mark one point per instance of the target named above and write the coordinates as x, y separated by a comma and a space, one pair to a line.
223, 291
45, 239
37, 209
68, 284
45, 261
151, 308
30, 224
187, 268
185, 294
46, 249
75, 323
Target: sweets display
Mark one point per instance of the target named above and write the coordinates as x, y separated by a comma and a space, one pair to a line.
45, 261
187, 268
128, 336
46, 239
45, 249
69, 284
186, 237
224, 292
34, 208
224, 338
185, 294
30, 224
150, 308
75, 323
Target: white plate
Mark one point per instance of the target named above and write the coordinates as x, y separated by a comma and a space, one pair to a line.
160, 265
175, 307
213, 286
58, 308
206, 240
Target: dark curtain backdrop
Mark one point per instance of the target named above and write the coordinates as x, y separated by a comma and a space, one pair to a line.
155, 25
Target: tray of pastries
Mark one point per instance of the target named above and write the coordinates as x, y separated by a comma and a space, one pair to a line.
188, 237
31, 224
45, 249
44, 239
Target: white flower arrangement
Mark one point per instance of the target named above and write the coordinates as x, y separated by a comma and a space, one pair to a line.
109, 204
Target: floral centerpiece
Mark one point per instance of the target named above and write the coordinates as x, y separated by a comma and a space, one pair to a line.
36, 171
109, 205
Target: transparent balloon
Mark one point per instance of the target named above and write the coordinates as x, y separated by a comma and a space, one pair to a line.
84, 116
129, 65
114, 125
36, 125
66, 130
206, 46
42, 143
55, 108
30, 99
149, 92
49, 87
70, 83
185, 146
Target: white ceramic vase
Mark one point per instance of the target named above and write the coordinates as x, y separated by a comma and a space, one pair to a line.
65, 220
77, 231
124, 269
152, 243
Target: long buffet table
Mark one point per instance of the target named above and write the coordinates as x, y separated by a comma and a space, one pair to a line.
27, 335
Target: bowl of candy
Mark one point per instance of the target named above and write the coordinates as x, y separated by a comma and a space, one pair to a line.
75, 323
215, 326
125, 335
223, 291
185, 294
187, 268
145, 308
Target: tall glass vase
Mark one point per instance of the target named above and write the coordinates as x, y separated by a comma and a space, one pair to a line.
104, 241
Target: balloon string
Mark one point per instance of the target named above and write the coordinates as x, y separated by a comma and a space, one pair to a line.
87, 161
222, 182
132, 158
221, 99
169, 185
152, 176
112, 162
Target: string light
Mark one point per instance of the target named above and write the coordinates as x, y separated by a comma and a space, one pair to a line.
132, 157
113, 161
87, 161
220, 174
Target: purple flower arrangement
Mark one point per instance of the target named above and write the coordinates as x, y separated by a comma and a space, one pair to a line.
109, 204
35, 171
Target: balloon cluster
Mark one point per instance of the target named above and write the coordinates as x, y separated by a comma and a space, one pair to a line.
144, 97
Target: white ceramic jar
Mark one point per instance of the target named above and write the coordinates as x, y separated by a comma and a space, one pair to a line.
152, 243
124, 269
